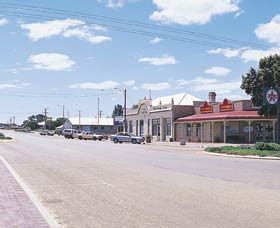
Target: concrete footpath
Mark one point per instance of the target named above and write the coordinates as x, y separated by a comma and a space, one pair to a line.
16, 207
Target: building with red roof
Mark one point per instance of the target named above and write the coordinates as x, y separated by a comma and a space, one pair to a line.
227, 122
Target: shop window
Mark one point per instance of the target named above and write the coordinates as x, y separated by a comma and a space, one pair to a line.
198, 127
130, 126
189, 130
156, 127
168, 126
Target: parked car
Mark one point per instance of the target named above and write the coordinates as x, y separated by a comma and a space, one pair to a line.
46, 132
78, 135
126, 137
69, 133
98, 137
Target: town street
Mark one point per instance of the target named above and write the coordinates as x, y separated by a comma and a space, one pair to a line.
101, 184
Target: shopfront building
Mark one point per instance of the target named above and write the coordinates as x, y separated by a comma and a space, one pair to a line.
226, 122
156, 117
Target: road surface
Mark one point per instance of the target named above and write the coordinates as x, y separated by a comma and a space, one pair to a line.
100, 184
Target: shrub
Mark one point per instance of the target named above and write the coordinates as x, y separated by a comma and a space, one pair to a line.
267, 146
2, 135
213, 149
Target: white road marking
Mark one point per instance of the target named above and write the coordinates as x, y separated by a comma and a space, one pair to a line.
105, 183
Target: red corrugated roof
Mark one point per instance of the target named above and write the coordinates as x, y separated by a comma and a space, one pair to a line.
222, 116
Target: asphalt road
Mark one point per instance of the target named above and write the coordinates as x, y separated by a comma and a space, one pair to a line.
100, 184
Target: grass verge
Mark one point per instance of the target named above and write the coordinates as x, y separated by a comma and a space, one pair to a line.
3, 137
232, 150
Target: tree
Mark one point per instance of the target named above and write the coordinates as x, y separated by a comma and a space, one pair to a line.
30, 124
40, 118
268, 75
118, 110
59, 121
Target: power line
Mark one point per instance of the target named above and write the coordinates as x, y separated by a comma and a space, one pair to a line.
121, 29
54, 95
130, 23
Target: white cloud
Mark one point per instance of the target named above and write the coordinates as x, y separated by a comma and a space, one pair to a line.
65, 28
246, 54
7, 86
219, 87
3, 21
84, 33
156, 86
187, 12
158, 61
47, 29
196, 81
256, 55
51, 61
155, 40
200, 84
227, 52
129, 82
95, 86
114, 4
270, 31
218, 71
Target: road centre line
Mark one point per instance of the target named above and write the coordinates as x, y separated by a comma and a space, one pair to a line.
105, 183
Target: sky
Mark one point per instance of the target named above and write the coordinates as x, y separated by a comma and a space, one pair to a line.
51, 60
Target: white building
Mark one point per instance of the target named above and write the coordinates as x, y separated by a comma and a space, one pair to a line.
156, 117
101, 125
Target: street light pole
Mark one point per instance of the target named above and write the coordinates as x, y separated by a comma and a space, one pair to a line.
124, 93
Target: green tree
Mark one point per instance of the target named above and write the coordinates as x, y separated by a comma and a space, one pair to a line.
58, 122
40, 118
268, 75
118, 110
30, 124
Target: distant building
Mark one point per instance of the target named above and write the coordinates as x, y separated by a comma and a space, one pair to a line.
104, 126
227, 122
156, 117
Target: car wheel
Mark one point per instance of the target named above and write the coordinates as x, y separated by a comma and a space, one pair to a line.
134, 141
80, 138
116, 140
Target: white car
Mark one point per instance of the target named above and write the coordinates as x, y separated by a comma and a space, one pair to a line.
126, 137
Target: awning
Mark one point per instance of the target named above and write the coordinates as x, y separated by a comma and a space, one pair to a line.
233, 115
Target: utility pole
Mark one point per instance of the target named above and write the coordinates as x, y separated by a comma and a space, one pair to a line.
98, 111
45, 112
125, 123
124, 93
79, 119
63, 112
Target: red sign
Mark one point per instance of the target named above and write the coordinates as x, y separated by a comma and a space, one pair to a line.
226, 106
206, 108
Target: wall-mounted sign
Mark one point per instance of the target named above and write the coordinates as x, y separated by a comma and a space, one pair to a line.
226, 106
206, 108
270, 96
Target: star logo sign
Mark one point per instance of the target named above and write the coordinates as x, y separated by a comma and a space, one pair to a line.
272, 96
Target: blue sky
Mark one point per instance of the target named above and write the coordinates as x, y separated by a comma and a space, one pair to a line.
49, 62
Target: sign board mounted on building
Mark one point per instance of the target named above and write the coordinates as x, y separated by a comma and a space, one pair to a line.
206, 108
226, 106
